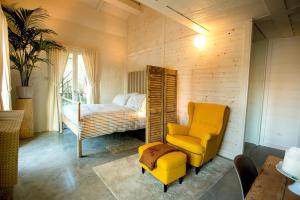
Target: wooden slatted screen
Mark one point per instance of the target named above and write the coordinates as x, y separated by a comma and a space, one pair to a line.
137, 82
161, 102
155, 99
170, 98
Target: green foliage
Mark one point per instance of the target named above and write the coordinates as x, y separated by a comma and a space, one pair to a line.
28, 39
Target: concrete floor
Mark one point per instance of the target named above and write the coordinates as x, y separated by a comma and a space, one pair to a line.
49, 169
228, 188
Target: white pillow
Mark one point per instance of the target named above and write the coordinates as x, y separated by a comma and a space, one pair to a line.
136, 102
144, 104
120, 99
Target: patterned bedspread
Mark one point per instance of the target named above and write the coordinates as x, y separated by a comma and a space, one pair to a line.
102, 119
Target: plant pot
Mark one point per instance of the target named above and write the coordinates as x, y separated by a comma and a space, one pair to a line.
24, 92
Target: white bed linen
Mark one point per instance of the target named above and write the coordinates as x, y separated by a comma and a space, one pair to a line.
101, 119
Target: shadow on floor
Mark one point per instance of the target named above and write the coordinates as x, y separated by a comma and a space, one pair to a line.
50, 169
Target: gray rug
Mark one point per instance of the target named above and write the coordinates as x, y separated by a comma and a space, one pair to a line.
124, 179
123, 144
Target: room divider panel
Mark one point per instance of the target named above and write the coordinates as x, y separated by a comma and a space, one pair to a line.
155, 104
161, 102
170, 98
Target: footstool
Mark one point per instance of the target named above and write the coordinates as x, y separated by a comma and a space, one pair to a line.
169, 167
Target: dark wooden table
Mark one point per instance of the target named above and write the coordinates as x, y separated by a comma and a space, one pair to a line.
270, 184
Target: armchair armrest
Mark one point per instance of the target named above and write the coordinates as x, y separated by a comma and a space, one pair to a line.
209, 136
176, 129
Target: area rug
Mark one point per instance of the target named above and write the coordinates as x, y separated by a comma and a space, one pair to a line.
124, 179
126, 143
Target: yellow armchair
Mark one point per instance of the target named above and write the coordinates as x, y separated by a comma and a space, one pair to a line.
202, 137
176, 129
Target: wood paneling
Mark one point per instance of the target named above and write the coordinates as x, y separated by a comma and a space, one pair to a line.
82, 15
161, 102
170, 98
217, 73
155, 104
174, 14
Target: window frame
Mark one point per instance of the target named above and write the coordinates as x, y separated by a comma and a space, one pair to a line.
75, 66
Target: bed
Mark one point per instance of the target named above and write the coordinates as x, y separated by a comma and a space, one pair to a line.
126, 112
92, 120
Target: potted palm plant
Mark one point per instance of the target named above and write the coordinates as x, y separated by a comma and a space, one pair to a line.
28, 43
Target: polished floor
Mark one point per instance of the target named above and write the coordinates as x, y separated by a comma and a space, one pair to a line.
49, 169
228, 187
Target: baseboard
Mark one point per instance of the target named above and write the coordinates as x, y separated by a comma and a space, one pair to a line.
274, 146
227, 154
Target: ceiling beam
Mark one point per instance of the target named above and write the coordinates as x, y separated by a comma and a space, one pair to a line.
264, 18
257, 28
280, 17
127, 5
174, 14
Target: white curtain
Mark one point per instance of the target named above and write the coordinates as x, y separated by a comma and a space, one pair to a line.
89, 58
58, 59
5, 84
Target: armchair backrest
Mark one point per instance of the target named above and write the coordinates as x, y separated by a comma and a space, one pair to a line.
205, 118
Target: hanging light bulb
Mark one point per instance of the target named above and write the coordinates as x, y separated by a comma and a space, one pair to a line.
199, 41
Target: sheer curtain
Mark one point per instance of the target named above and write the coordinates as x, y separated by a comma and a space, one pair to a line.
5, 84
58, 59
89, 58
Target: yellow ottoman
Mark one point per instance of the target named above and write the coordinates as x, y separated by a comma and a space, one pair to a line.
169, 167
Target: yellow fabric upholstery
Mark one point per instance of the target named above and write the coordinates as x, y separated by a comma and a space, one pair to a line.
176, 129
193, 144
169, 167
202, 137
192, 158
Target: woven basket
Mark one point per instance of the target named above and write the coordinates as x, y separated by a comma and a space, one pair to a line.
10, 123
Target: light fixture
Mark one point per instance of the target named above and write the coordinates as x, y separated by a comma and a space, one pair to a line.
199, 41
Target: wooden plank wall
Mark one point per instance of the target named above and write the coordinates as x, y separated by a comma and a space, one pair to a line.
217, 73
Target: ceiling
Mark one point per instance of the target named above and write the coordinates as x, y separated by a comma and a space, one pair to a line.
283, 21
213, 14
293, 10
104, 17
273, 18
112, 7
105, 6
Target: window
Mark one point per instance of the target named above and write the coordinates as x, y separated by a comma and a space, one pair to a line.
74, 83
82, 84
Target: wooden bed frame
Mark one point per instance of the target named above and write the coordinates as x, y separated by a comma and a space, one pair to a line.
70, 124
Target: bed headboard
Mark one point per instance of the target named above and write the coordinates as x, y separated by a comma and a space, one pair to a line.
137, 82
